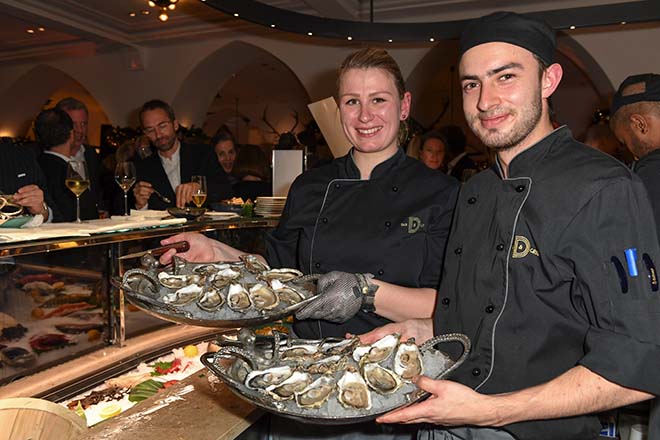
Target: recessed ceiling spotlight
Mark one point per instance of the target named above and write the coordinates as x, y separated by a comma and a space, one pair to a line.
349, 38
572, 27
171, 7
236, 14
431, 39
390, 40
623, 22
30, 31
152, 4
310, 34
163, 17
41, 29
132, 14
144, 12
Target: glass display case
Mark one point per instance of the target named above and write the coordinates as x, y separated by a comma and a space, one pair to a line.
57, 301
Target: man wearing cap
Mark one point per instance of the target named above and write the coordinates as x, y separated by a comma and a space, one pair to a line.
635, 120
549, 267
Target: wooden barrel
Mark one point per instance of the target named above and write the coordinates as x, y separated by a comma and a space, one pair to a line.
25, 418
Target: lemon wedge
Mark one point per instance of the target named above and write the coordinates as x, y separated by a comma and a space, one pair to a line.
190, 351
110, 410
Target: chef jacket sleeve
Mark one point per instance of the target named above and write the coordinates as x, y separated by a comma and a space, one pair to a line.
440, 225
622, 343
282, 243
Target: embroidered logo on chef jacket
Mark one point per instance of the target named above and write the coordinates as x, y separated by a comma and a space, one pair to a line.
414, 224
522, 247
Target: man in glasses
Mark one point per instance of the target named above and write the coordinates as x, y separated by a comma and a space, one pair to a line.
166, 175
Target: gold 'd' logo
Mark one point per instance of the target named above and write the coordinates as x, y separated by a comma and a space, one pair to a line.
522, 247
414, 224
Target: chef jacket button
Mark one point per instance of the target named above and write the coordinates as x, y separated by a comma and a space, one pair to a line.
490, 308
458, 251
381, 271
325, 219
472, 200
446, 301
476, 371
520, 188
395, 188
388, 224
500, 247
337, 185
317, 265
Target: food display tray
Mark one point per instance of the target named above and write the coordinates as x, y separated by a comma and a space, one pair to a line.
234, 361
143, 289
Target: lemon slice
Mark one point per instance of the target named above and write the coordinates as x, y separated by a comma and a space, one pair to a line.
190, 351
110, 410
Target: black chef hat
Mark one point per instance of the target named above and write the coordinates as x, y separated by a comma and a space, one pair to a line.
508, 27
637, 88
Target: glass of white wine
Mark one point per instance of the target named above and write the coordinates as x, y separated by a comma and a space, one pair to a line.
199, 195
125, 177
77, 181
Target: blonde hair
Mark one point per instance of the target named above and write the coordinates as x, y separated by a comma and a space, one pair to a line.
373, 58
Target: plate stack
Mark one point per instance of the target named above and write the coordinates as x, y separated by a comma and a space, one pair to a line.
269, 206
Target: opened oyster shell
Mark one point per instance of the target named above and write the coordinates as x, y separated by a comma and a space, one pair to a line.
286, 390
317, 393
262, 379
353, 390
238, 299
263, 297
380, 379
177, 281
408, 360
378, 351
183, 296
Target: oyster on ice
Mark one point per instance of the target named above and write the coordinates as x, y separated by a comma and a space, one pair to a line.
299, 353
263, 297
183, 296
380, 379
317, 393
253, 264
210, 269
327, 365
294, 384
353, 390
285, 293
408, 360
282, 275
344, 346
210, 300
378, 351
177, 281
238, 299
262, 379
224, 277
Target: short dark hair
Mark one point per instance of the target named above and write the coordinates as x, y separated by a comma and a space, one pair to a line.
433, 134
156, 104
53, 127
220, 136
71, 103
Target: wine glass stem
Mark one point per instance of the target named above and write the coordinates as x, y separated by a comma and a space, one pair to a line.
78, 210
125, 203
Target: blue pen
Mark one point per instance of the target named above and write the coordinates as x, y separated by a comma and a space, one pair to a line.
631, 259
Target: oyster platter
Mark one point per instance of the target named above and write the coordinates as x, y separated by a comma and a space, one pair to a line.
330, 381
222, 294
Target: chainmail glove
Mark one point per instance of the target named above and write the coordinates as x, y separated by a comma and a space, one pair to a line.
340, 296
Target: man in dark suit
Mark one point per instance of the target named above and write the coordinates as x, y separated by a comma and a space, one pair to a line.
54, 129
21, 176
166, 175
82, 152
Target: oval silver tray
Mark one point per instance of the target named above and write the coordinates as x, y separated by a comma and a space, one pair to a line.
142, 289
235, 358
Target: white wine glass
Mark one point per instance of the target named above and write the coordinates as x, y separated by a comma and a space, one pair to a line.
77, 181
199, 195
125, 177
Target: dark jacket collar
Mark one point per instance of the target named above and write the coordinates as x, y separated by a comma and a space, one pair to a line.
653, 156
380, 170
524, 163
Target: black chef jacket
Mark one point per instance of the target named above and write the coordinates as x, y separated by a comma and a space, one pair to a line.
528, 277
648, 169
394, 225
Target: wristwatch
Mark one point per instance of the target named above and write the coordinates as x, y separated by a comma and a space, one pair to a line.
368, 291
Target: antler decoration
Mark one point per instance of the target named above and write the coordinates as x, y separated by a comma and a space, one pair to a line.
295, 115
272, 129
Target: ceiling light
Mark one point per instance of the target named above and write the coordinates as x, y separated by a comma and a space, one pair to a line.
349, 38
171, 7
390, 40
431, 39
41, 29
145, 12
152, 4
163, 17
572, 27
310, 34
235, 15
164, 5
30, 31
132, 14
272, 25
623, 22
